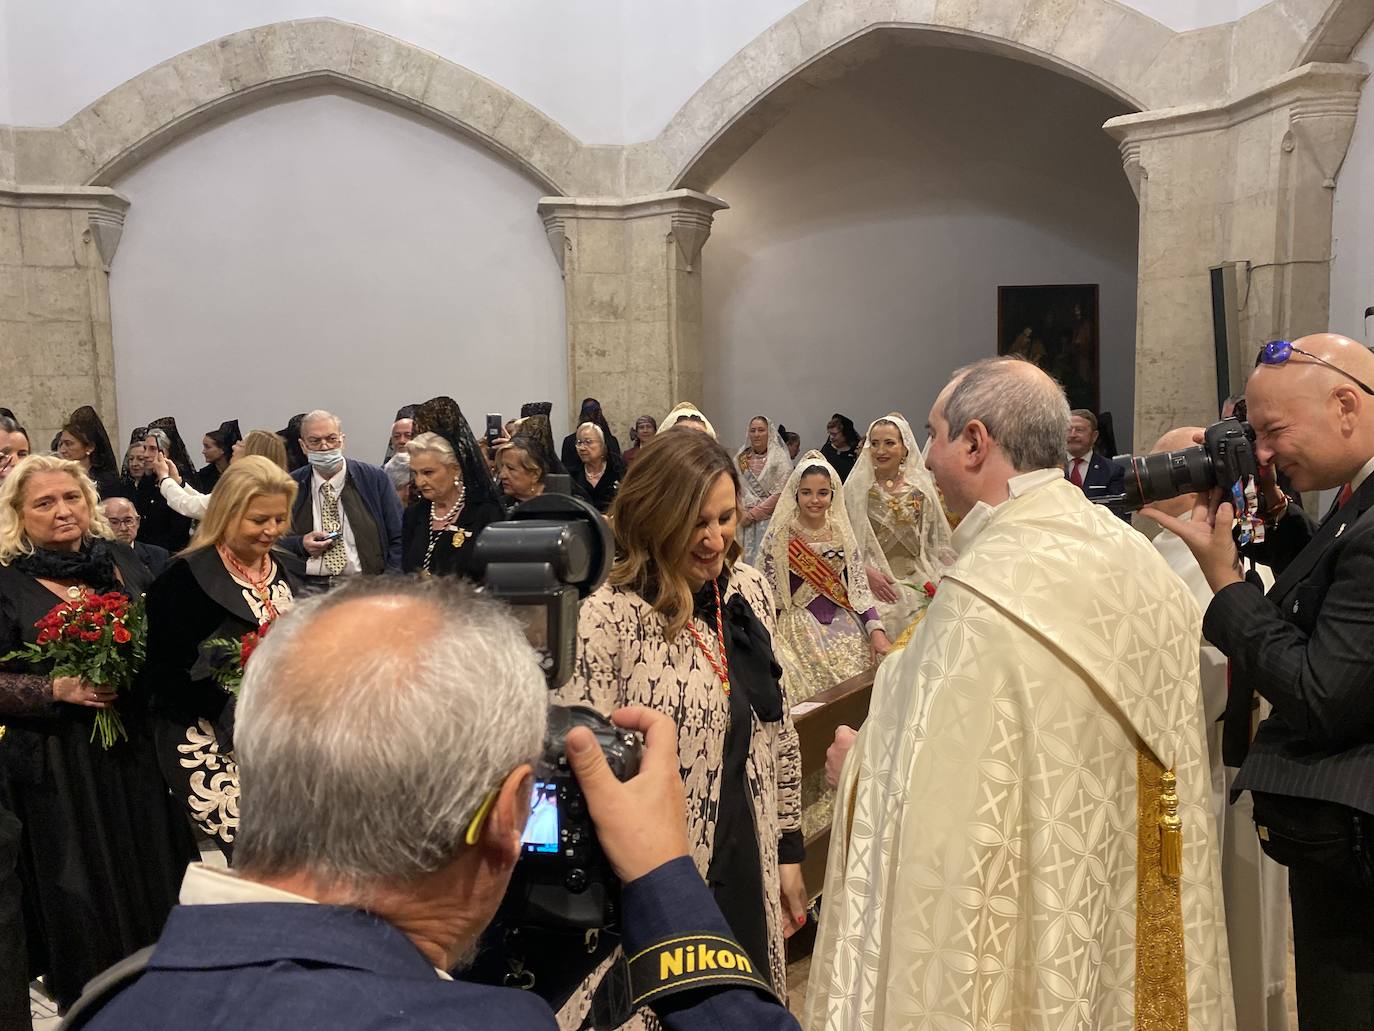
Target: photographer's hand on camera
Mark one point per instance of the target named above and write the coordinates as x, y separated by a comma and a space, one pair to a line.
641, 823
1209, 534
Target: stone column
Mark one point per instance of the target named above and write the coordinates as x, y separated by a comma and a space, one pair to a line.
631, 270
56, 245
1250, 180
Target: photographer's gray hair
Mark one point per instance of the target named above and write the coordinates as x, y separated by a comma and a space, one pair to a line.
367, 766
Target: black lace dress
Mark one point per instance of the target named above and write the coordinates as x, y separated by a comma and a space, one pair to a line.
102, 847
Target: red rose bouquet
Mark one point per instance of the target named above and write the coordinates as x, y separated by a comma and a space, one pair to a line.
228, 658
100, 638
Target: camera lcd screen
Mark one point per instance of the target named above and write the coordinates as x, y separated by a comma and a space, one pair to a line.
541, 830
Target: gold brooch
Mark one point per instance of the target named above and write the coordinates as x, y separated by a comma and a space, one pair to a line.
460, 537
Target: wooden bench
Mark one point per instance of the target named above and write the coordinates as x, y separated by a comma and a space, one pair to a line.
845, 704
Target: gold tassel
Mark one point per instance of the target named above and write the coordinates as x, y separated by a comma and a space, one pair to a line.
1170, 827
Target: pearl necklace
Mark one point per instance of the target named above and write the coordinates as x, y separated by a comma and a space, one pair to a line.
446, 523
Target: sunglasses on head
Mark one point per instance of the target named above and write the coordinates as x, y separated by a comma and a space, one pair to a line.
1276, 352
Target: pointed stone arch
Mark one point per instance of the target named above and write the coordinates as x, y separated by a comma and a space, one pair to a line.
149, 112
1107, 45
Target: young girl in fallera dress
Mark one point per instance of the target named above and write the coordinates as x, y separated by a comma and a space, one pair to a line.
828, 627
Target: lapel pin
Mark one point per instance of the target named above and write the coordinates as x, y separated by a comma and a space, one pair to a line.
1340, 530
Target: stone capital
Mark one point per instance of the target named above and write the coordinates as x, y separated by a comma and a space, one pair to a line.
688, 214
1315, 94
105, 210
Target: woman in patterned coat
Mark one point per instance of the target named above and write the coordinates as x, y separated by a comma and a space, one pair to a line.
227, 584
681, 626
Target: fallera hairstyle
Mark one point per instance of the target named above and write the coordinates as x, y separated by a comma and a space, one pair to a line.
1087, 414
1027, 415
14, 542
395, 746
654, 518
250, 477
266, 444
423, 442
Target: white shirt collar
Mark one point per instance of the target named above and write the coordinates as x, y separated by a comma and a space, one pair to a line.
1018, 486
1362, 475
210, 886
336, 481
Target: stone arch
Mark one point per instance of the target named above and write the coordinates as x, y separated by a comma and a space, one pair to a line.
1107, 45
150, 111
1338, 32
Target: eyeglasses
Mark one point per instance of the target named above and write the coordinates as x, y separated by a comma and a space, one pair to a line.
333, 440
1276, 352
130, 521
585, 443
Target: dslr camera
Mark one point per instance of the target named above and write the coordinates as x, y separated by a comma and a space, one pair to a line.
1225, 458
553, 551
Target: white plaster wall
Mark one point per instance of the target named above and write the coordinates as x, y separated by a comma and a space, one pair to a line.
870, 229
328, 252
611, 71
1352, 221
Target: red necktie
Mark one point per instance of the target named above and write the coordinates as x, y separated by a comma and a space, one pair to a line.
1075, 476
1346, 491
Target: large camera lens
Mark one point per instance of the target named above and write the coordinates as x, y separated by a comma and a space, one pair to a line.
1168, 474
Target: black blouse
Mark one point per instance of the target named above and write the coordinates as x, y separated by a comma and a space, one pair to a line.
605, 489
194, 601
454, 550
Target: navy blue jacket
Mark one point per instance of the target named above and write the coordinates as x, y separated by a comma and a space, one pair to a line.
1104, 478
297, 967
378, 497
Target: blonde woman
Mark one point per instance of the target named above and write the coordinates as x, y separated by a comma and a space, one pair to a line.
103, 849
182, 498
226, 584
682, 626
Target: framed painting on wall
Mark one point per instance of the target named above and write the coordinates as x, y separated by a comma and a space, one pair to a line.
1056, 327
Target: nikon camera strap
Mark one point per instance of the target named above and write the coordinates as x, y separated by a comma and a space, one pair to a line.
687, 962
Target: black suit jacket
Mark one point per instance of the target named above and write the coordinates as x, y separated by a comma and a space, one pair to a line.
1308, 647
1104, 479
153, 557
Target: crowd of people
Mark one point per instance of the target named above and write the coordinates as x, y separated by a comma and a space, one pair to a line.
1039, 705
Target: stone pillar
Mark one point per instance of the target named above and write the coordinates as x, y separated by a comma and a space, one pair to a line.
1251, 181
56, 245
632, 276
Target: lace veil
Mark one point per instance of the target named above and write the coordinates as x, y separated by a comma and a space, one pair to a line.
776, 468
934, 529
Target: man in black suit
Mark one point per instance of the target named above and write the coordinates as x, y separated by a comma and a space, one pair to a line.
125, 521
1095, 476
1308, 648
347, 518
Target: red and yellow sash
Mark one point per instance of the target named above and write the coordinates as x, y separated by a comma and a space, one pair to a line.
816, 571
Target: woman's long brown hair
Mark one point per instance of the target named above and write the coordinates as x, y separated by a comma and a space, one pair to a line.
655, 516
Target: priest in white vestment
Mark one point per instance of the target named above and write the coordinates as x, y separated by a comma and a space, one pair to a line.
997, 858
1255, 888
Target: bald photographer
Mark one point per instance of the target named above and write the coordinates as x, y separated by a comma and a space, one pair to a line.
1307, 647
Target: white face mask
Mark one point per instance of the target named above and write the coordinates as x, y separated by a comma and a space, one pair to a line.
325, 459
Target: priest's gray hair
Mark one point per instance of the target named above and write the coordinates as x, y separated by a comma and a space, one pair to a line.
1024, 409
363, 766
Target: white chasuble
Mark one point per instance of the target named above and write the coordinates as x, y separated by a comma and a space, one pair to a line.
983, 870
